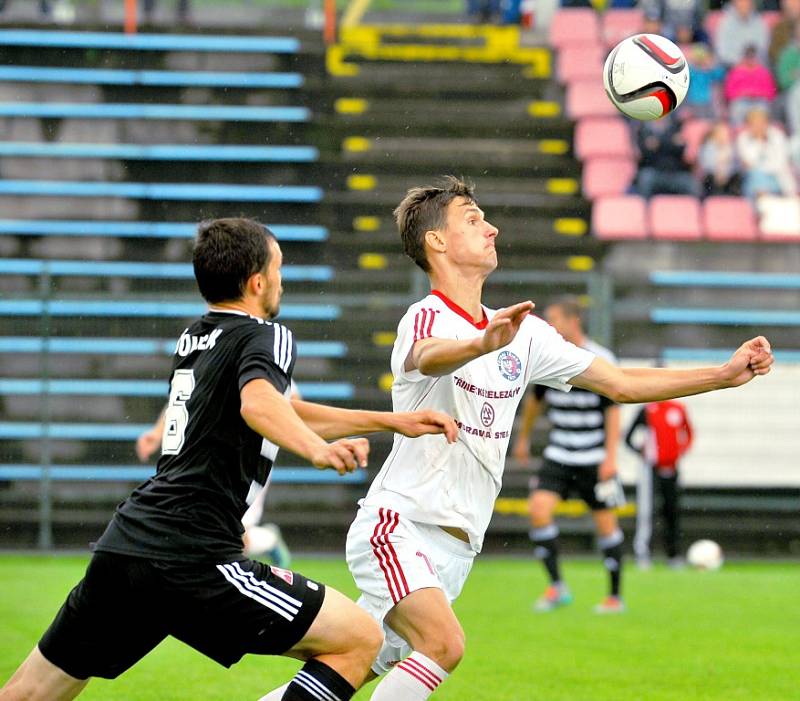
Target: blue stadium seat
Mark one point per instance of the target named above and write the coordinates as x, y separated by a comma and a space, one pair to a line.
149, 42
720, 355
146, 308
144, 388
704, 278
134, 110
725, 317
106, 76
161, 152
162, 191
141, 229
138, 346
139, 473
137, 269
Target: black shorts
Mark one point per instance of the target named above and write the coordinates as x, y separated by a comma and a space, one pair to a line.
125, 606
566, 479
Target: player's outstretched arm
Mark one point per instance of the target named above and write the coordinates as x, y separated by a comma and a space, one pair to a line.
440, 356
629, 385
271, 415
333, 422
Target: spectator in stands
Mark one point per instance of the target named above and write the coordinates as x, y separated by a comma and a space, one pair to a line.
741, 26
662, 166
763, 150
678, 20
701, 100
667, 436
717, 162
783, 31
788, 72
749, 84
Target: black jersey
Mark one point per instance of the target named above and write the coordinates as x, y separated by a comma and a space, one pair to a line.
191, 509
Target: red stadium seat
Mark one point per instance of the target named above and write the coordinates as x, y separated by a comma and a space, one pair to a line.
587, 98
603, 136
674, 217
621, 217
693, 132
574, 25
729, 219
619, 23
779, 218
581, 62
607, 176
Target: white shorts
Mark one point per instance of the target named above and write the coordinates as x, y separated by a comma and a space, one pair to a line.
390, 557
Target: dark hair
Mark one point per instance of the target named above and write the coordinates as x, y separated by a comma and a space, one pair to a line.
424, 209
227, 252
570, 306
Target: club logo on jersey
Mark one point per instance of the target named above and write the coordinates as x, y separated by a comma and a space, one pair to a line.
487, 414
286, 575
510, 365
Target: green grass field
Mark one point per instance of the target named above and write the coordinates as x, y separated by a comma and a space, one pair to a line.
688, 636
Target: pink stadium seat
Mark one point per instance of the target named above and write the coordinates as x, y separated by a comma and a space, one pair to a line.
619, 218
619, 23
603, 136
587, 98
581, 62
607, 176
729, 219
574, 25
694, 131
674, 217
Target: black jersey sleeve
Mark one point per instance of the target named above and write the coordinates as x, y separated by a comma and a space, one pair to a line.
268, 354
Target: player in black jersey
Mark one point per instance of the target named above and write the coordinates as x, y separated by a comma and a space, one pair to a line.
170, 561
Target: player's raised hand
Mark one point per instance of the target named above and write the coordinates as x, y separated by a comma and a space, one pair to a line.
503, 327
754, 357
344, 455
427, 421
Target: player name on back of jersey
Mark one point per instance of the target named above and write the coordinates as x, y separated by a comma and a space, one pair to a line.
189, 344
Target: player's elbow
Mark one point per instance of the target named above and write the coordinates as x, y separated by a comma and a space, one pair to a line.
248, 410
620, 393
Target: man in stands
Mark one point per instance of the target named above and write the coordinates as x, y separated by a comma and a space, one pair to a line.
423, 520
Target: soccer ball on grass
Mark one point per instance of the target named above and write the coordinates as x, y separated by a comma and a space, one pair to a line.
646, 76
705, 555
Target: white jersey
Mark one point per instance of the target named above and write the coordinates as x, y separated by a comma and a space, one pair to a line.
430, 481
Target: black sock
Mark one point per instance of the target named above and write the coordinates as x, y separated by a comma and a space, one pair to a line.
612, 559
318, 681
545, 541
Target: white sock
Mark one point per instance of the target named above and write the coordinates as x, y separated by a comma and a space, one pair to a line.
276, 694
413, 679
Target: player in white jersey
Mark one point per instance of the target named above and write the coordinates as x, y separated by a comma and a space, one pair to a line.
412, 543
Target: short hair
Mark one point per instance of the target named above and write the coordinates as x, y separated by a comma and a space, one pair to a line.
570, 306
424, 209
227, 252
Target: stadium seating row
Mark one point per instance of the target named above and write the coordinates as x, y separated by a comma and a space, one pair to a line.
674, 217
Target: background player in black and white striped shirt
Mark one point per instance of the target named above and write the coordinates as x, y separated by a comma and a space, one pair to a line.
170, 563
581, 456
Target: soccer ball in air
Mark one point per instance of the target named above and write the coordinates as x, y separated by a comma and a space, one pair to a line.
705, 555
646, 76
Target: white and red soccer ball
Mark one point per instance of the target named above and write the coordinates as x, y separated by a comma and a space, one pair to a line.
646, 76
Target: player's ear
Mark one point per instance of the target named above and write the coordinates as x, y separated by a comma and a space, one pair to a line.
435, 240
256, 283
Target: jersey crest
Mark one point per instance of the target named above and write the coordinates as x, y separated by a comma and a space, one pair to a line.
510, 365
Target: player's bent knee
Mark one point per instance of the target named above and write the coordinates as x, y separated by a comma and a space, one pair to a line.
447, 651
